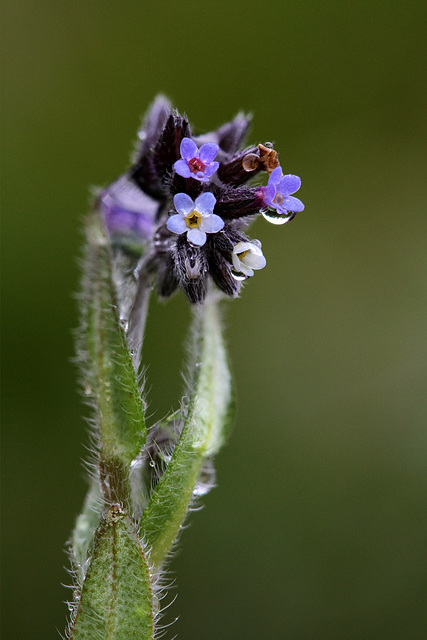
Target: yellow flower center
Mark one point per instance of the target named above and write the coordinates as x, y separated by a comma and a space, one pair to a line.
242, 254
193, 219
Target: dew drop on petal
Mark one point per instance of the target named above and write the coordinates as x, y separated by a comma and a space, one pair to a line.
238, 275
275, 218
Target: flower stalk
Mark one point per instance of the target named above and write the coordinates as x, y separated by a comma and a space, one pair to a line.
176, 220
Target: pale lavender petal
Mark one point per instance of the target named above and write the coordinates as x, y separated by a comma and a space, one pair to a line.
182, 168
208, 152
212, 224
289, 184
188, 148
255, 261
183, 203
209, 171
127, 210
206, 202
292, 204
269, 194
246, 270
195, 236
176, 224
275, 175
200, 176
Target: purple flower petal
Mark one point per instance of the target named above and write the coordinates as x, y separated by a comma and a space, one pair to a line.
182, 168
268, 194
176, 224
197, 237
275, 176
292, 204
183, 203
188, 149
205, 203
289, 184
211, 224
209, 171
208, 152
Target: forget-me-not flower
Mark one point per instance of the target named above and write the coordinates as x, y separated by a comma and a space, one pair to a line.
248, 256
197, 163
277, 193
195, 218
158, 211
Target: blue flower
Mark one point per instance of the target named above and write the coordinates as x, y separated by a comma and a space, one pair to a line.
197, 163
195, 218
277, 193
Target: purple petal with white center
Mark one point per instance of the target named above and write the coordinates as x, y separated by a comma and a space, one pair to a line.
289, 184
275, 175
212, 223
188, 148
205, 203
183, 203
208, 152
292, 204
196, 236
209, 171
182, 168
176, 224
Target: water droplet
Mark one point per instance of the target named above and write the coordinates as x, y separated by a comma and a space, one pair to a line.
152, 464
206, 480
276, 218
250, 162
238, 275
124, 323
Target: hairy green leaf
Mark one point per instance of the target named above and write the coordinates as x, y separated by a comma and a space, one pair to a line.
84, 530
109, 375
116, 601
205, 428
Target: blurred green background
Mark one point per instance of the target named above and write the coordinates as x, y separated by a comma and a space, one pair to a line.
318, 527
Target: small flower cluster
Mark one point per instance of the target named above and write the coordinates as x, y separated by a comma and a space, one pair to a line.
186, 200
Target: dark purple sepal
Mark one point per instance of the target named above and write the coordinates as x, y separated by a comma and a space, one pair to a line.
167, 150
144, 171
191, 269
153, 125
230, 136
233, 203
218, 252
233, 173
178, 184
167, 280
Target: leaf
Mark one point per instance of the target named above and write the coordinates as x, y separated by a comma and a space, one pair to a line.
84, 530
110, 379
116, 601
205, 429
